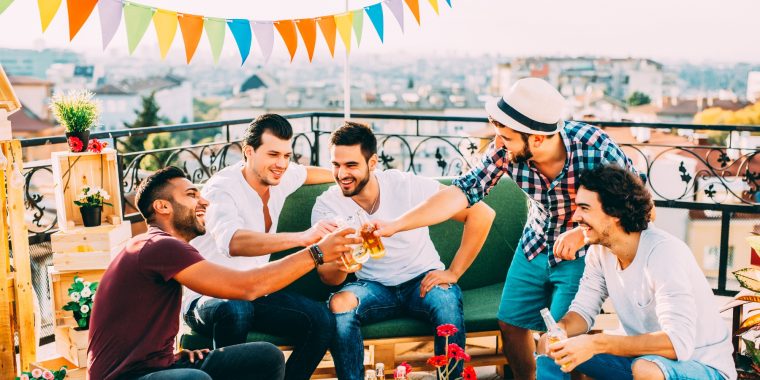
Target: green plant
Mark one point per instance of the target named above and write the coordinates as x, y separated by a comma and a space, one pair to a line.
92, 196
82, 294
38, 374
75, 110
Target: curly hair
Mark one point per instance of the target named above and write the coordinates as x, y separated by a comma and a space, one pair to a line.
622, 194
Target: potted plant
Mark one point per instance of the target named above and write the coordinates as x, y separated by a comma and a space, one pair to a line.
90, 201
82, 295
748, 362
76, 111
38, 374
444, 364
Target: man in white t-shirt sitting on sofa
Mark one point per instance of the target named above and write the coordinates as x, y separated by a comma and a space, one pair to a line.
410, 279
246, 201
666, 307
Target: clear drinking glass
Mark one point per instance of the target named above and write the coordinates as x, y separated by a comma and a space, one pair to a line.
358, 253
372, 243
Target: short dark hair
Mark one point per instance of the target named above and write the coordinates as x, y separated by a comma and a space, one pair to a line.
352, 133
153, 188
622, 194
274, 123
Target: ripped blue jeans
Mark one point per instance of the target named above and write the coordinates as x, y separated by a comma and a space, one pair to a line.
377, 302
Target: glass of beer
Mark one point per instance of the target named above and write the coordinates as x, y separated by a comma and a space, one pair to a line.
358, 254
372, 243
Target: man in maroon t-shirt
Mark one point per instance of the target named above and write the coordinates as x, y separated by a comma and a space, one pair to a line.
136, 316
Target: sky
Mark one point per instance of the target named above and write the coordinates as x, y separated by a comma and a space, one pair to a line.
671, 30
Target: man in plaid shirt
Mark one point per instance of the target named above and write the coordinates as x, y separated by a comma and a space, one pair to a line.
543, 155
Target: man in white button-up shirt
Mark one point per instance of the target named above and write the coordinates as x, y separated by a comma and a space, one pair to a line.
246, 200
665, 305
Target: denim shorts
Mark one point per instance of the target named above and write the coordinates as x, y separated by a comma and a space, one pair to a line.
533, 285
685, 370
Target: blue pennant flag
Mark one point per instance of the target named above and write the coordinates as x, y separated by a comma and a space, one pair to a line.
241, 30
375, 13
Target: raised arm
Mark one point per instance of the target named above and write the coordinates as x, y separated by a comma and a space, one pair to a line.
316, 175
252, 243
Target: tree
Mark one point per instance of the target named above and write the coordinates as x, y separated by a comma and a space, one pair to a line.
146, 117
638, 99
155, 141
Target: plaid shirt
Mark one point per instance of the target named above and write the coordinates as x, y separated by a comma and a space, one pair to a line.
551, 204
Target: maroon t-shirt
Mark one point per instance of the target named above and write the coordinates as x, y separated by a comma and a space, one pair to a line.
135, 317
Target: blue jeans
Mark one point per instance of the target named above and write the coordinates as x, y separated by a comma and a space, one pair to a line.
604, 366
260, 361
309, 323
378, 302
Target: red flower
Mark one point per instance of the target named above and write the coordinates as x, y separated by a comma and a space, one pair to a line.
457, 353
96, 146
469, 374
447, 330
438, 361
75, 144
408, 367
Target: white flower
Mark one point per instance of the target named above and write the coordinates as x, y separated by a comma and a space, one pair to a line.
84, 309
79, 279
75, 296
86, 292
36, 372
87, 284
24, 377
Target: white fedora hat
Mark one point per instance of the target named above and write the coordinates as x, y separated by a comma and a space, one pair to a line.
531, 105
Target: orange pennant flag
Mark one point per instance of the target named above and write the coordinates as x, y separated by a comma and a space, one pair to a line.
414, 6
308, 29
192, 28
79, 12
434, 4
287, 30
327, 26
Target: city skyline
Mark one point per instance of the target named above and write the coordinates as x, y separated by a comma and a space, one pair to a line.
695, 31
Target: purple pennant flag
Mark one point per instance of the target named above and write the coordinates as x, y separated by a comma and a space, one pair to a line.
110, 17
397, 8
264, 32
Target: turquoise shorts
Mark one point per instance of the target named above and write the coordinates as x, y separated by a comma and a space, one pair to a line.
534, 285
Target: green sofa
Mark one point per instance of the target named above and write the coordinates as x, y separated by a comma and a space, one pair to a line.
481, 285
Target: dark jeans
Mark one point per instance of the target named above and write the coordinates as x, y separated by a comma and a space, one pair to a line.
309, 323
259, 361
378, 302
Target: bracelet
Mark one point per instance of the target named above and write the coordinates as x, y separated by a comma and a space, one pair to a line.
316, 255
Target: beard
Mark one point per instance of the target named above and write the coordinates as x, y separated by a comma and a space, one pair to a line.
186, 222
598, 236
360, 184
522, 156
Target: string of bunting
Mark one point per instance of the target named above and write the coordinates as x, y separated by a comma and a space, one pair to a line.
137, 19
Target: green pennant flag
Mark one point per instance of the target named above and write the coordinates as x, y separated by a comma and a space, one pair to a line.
137, 20
215, 29
4, 5
358, 24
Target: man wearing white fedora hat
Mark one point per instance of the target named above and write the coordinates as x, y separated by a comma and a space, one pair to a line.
543, 154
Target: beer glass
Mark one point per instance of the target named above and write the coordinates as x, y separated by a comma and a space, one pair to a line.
358, 254
372, 243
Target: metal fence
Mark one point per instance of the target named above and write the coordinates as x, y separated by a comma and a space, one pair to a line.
719, 180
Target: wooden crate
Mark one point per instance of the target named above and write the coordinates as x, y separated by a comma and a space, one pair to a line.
60, 282
72, 172
82, 261
103, 238
72, 345
72, 372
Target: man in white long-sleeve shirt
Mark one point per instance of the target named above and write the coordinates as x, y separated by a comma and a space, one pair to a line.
664, 303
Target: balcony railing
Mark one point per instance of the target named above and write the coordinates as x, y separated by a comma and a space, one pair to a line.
718, 181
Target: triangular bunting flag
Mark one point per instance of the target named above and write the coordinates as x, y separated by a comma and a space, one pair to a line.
137, 19
358, 20
287, 30
397, 8
192, 28
264, 36
375, 13
434, 4
414, 6
344, 22
110, 17
327, 26
449, 3
4, 5
165, 23
48, 9
308, 29
79, 12
241, 30
215, 30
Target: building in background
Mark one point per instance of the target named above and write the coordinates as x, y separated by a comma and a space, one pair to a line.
35, 63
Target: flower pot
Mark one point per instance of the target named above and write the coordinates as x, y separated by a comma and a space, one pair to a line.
91, 215
74, 145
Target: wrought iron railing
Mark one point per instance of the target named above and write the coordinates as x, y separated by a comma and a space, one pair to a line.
723, 179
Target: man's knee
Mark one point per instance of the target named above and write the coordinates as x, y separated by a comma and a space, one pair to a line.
644, 369
342, 302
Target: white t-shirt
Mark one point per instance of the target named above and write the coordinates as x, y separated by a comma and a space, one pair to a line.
234, 205
407, 254
663, 289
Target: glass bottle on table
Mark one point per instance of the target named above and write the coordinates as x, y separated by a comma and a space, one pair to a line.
358, 254
372, 243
